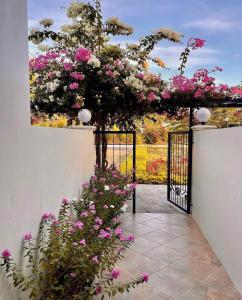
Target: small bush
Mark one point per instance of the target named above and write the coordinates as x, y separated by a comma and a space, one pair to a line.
74, 255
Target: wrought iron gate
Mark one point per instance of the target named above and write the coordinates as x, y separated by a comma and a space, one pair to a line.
117, 149
179, 169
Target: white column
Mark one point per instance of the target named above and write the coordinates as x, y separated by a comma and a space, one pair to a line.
14, 78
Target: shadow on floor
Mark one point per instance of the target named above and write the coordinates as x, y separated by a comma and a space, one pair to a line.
151, 198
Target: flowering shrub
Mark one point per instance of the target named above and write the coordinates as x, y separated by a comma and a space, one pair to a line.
156, 166
80, 68
59, 121
201, 87
75, 254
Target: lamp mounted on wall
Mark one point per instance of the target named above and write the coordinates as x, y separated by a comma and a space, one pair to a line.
203, 115
84, 115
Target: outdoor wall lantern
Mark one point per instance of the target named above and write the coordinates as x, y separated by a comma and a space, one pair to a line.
203, 115
84, 115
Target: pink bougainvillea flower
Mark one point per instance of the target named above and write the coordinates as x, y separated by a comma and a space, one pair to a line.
166, 95
73, 275
96, 227
196, 43
115, 273
130, 238
183, 84
236, 90
51, 75
68, 66
115, 220
145, 277
133, 185
84, 214
28, 236
199, 94
58, 231
95, 259
110, 73
77, 76
105, 206
78, 225
98, 290
92, 207
104, 234
139, 75
55, 223
52, 55
6, 253
65, 201
118, 192
86, 185
217, 68
47, 216
151, 97
141, 97
122, 237
83, 55
83, 242
76, 105
98, 220
118, 231
74, 86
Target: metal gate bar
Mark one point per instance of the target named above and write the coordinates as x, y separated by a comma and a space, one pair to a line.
179, 169
117, 148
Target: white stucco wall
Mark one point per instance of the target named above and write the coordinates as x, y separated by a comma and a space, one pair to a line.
217, 194
38, 166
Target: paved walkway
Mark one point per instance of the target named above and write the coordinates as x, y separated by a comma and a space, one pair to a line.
151, 198
181, 264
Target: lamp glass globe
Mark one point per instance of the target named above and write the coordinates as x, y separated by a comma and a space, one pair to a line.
203, 115
84, 115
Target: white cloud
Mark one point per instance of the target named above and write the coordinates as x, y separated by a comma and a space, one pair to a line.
197, 58
212, 24
237, 55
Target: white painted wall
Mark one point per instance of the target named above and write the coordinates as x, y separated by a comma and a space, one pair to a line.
217, 194
38, 166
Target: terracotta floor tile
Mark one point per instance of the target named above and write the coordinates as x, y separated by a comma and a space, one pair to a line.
138, 229
193, 268
142, 245
181, 264
160, 236
164, 254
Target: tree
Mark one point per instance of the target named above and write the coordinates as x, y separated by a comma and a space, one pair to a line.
82, 68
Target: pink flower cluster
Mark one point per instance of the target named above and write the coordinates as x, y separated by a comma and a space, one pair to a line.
196, 43
77, 76
74, 86
41, 62
28, 236
151, 97
200, 85
68, 66
83, 55
6, 254
115, 273
104, 234
78, 225
48, 216
182, 84
65, 201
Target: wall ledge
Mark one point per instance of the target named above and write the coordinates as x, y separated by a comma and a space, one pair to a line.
203, 127
89, 128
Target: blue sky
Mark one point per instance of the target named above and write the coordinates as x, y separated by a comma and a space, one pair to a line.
217, 21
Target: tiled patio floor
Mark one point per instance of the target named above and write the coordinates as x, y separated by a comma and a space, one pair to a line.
181, 264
